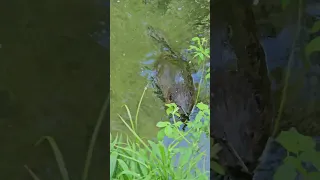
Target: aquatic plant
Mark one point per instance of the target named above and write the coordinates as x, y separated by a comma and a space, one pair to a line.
301, 149
201, 54
137, 159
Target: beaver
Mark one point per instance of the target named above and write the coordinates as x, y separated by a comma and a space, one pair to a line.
173, 76
237, 124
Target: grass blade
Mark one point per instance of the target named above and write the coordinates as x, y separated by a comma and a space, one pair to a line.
33, 175
57, 154
94, 138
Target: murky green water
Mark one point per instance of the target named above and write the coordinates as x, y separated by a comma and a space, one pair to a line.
58, 76
131, 47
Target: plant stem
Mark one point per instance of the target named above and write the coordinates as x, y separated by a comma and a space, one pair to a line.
138, 109
94, 138
291, 57
199, 86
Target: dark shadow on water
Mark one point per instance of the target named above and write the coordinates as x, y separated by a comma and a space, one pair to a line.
54, 78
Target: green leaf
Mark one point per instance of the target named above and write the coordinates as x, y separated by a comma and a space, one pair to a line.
154, 148
296, 163
217, 168
196, 55
193, 47
207, 51
176, 113
123, 165
294, 142
161, 134
311, 156
178, 124
201, 57
168, 131
195, 39
32, 174
199, 116
315, 27
285, 3
285, 171
162, 124
185, 156
113, 163
312, 46
171, 105
202, 106
215, 150
306, 143
128, 172
207, 76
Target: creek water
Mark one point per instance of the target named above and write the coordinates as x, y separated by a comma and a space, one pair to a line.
54, 77
132, 49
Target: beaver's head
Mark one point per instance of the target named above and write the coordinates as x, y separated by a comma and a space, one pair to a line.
183, 97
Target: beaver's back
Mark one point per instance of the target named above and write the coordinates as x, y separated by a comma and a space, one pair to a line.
235, 118
175, 82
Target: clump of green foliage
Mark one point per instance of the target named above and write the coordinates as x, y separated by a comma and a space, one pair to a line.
153, 159
300, 149
202, 53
